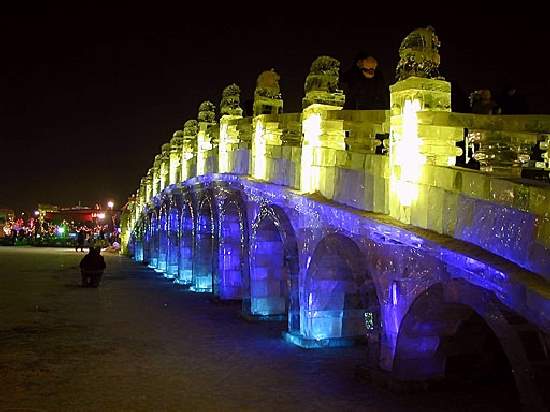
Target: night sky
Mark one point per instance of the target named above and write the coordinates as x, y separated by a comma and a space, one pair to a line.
87, 100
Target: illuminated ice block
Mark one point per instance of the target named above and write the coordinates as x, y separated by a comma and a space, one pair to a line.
202, 282
269, 305
138, 251
432, 94
206, 139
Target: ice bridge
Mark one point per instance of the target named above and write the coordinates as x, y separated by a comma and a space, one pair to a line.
435, 267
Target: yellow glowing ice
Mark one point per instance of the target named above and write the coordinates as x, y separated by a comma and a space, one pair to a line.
309, 175
203, 146
406, 155
223, 155
259, 151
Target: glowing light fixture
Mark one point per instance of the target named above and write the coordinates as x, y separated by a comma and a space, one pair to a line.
110, 204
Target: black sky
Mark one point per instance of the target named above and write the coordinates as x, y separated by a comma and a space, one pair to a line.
87, 100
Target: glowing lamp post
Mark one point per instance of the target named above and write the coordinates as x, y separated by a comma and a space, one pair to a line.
110, 204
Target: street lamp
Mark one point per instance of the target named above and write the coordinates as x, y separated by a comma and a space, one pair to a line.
110, 204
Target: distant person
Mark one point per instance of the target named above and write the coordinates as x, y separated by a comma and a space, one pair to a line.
511, 102
92, 267
482, 102
80, 239
364, 85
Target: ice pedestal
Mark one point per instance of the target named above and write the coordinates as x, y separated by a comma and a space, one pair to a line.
304, 342
172, 260
171, 271
230, 285
202, 263
202, 283
329, 328
268, 306
162, 250
161, 264
185, 266
138, 251
230, 260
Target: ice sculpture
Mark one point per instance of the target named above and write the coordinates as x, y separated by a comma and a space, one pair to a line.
189, 149
165, 166
205, 140
267, 96
207, 112
229, 134
231, 100
499, 154
321, 86
419, 55
175, 157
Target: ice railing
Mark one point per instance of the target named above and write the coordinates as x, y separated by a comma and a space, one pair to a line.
502, 144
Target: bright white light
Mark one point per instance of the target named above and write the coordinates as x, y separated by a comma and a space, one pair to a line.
36, 212
110, 204
408, 156
60, 230
101, 215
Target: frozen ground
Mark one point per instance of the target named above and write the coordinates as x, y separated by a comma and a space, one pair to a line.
139, 344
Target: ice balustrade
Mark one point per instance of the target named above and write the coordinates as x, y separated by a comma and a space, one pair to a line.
398, 162
328, 151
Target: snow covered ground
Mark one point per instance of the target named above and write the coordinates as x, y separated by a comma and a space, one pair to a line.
137, 343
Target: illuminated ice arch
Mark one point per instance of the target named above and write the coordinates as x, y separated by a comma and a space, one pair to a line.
233, 248
152, 243
339, 299
132, 243
173, 239
162, 236
186, 243
204, 264
146, 228
137, 242
462, 332
273, 285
